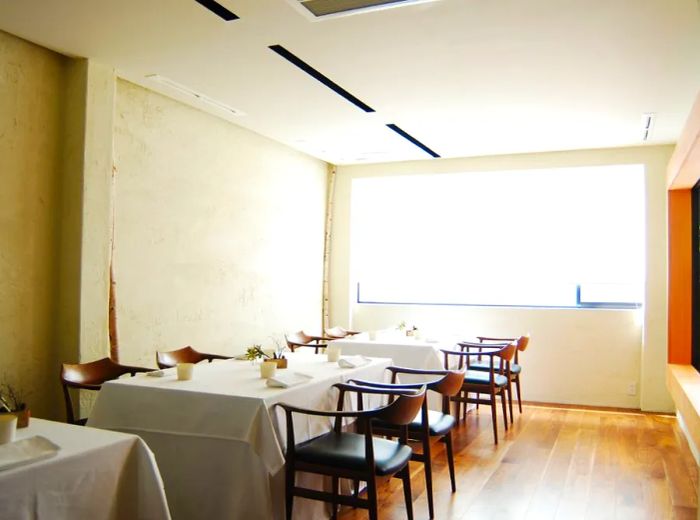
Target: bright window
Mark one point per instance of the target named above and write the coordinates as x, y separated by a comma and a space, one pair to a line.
556, 237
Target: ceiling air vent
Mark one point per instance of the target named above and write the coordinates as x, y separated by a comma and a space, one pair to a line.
327, 8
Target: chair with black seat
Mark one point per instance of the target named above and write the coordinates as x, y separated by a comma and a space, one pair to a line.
350, 455
516, 368
339, 333
184, 355
493, 382
302, 339
438, 424
91, 376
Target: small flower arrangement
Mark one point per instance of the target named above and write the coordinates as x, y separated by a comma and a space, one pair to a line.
12, 402
11, 399
410, 331
256, 352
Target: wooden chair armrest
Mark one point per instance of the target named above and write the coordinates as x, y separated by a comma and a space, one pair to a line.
82, 386
295, 344
345, 387
135, 370
388, 386
487, 338
462, 353
419, 371
216, 356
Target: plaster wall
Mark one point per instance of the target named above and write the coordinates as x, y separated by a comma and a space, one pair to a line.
587, 357
31, 107
219, 231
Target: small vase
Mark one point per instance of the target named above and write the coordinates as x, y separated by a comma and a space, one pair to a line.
23, 416
281, 362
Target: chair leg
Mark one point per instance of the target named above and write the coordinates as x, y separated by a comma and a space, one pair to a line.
334, 490
356, 488
493, 418
450, 459
406, 478
372, 497
504, 398
510, 401
428, 468
517, 387
289, 492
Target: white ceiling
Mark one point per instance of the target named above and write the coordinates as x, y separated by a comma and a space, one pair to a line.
465, 77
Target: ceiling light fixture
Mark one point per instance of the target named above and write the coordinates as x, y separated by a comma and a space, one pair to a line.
218, 9
319, 9
647, 125
174, 85
318, 76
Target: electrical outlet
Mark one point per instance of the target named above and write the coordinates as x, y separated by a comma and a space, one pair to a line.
632, 388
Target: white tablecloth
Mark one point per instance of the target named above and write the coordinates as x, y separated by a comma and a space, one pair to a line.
405, 352
218, 438
95, 475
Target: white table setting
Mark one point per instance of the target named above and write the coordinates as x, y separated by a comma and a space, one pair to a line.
65, 472
219, 438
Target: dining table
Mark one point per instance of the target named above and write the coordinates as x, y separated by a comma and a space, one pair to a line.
405, 351
219, 438
60, 471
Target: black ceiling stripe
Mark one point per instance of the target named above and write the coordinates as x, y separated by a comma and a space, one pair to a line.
218, 9
295, 60
412, 139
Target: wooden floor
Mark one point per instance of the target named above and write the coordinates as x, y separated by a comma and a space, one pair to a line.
557, 463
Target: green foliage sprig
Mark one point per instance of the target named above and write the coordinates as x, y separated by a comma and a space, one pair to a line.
11, 399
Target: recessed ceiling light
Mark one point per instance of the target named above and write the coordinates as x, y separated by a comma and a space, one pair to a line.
647, 125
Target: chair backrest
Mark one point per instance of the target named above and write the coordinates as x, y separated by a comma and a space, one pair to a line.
403, 409
298, 337
507, 352
90, 376
183, 355
95, 372
450, 384
336, 332
523, 342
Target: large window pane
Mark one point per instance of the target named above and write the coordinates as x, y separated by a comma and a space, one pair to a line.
555, 237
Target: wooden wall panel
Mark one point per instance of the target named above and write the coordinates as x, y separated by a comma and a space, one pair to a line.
679, 276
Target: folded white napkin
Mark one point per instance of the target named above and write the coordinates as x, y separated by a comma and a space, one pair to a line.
285, 379
353, 361
25, 451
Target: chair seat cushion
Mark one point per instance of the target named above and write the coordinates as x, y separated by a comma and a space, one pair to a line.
438, 423
347, 450
484, 365
476, 377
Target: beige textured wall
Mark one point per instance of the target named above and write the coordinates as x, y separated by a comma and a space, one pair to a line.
219, 231
577, 356
31, 103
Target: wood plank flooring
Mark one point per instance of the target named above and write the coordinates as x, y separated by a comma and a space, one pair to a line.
557, 464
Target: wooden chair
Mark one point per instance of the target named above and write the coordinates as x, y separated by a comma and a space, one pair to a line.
184, 355
302, 339
516, 368
90, 376
356, 456
493, 383
339, 333
438, 424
